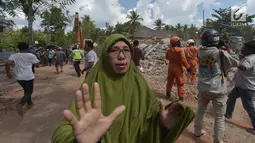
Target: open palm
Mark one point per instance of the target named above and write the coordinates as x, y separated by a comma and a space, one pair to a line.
91, 124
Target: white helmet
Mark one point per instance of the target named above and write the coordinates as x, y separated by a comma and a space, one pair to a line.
190, 41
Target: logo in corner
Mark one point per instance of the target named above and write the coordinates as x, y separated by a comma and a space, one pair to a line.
238, 13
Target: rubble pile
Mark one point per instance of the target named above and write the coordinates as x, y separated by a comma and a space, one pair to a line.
154, 63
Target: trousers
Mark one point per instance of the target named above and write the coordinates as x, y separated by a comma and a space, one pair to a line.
247, 101
219, 108
28, 86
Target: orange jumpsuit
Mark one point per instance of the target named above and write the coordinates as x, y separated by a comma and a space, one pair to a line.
177, 60
192, 58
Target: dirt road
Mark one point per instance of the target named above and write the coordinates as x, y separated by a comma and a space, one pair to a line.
53, 93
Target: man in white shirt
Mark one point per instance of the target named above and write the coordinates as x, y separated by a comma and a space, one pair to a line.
23, 62
90, 58
244, 84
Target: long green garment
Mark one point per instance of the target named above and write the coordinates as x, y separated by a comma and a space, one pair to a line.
139, 123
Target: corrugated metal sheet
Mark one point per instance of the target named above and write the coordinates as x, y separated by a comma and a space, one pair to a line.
5, 55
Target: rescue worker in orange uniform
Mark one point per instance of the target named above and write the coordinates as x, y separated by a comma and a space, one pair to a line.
177, 61
191, 53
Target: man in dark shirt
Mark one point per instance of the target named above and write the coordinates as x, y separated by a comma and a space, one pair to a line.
138, 54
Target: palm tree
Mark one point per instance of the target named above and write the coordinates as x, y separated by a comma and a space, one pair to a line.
172, 28
192, 31
159, 24
134, 20
109, 29
88, 26
167, 28
178, 29
222, 16
185, 31
121, 28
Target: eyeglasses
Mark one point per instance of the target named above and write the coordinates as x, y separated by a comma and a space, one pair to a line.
116, 52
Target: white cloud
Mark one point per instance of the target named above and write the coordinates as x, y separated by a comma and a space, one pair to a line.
250, 6
218, 4
21, 21
100, 11
170, 11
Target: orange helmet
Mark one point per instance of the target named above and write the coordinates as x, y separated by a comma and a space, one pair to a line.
174, 39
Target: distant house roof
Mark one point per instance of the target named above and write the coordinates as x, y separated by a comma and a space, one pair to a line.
145, 32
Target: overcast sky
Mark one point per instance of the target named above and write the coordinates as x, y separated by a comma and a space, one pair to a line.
170, 11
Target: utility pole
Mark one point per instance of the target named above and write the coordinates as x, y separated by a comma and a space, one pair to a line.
203, 18
30, 23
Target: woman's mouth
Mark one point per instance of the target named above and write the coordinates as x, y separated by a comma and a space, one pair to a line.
121, 66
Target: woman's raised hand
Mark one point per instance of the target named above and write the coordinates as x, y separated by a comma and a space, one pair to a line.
91, 124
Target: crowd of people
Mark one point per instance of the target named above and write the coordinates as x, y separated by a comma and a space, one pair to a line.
47, 56
115, 103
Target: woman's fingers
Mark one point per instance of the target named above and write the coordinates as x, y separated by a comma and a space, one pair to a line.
71, 118
116, 112
86, 99
79, 104
97, 97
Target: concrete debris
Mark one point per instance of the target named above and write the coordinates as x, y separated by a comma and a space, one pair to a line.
154, 63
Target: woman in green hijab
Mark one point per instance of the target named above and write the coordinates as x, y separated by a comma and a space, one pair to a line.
124, 109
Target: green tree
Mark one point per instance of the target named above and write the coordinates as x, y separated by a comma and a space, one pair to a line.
109, 29
60, 38
192, 31
222, 15
158, 24
185, 31
134, 21
52, 21
41, 37
31, 8
88, 26
222, 19
98, 36
10, 38
70, 38
167, 28
121, 28
9, 23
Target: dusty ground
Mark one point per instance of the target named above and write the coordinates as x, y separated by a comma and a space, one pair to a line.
235, 128
53, 93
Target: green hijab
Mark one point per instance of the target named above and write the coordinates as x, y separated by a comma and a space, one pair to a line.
139, 123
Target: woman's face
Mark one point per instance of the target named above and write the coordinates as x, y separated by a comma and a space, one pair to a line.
120, 56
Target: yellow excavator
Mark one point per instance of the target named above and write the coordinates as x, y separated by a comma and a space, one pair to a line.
78, 31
